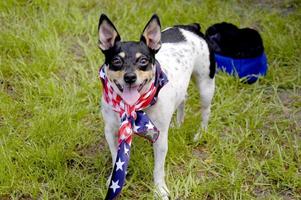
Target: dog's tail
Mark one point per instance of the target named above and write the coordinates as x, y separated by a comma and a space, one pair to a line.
194, 28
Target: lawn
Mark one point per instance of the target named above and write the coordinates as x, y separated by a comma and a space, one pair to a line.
52, 144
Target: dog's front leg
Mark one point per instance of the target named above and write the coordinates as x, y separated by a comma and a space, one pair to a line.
113, 145
160, 151
111, 130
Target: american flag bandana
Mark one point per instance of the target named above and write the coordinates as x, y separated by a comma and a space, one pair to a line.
132, 120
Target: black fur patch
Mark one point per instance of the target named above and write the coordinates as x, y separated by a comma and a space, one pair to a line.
172, 35
194, 28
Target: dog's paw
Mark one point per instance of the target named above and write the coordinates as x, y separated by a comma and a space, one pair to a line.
197, 137
161, 192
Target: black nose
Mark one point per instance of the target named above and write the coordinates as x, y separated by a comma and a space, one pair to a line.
130, 77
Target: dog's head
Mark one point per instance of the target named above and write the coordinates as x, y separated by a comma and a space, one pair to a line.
130, 66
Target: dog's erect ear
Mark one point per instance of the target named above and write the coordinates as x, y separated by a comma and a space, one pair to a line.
107, 33
152, 33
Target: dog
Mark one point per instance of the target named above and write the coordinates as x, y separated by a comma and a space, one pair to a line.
182, 52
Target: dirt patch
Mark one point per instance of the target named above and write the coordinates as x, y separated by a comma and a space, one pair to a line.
86, 156
200, 153
291, 101
284, 7
7, 87
26, 197
91, 150
287, 195
77, 51
19, 197
288, 97
5, 197
261, 192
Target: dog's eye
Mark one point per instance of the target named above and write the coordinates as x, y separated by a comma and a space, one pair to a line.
143, 63
117, 62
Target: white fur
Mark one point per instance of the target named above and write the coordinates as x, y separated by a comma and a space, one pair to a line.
179, 61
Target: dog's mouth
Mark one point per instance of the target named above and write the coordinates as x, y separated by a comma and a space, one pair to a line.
132, 87
130, 93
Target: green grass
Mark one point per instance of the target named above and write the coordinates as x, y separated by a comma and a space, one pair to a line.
52, 144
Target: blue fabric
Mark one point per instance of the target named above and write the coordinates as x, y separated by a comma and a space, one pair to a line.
249, 68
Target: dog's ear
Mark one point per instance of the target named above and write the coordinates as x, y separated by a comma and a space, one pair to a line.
152, 33
107, 33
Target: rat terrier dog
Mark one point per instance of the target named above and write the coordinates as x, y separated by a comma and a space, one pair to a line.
130, 68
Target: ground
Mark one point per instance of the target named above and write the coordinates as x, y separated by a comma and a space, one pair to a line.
52, 144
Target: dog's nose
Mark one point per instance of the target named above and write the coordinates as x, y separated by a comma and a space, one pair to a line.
130, 77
